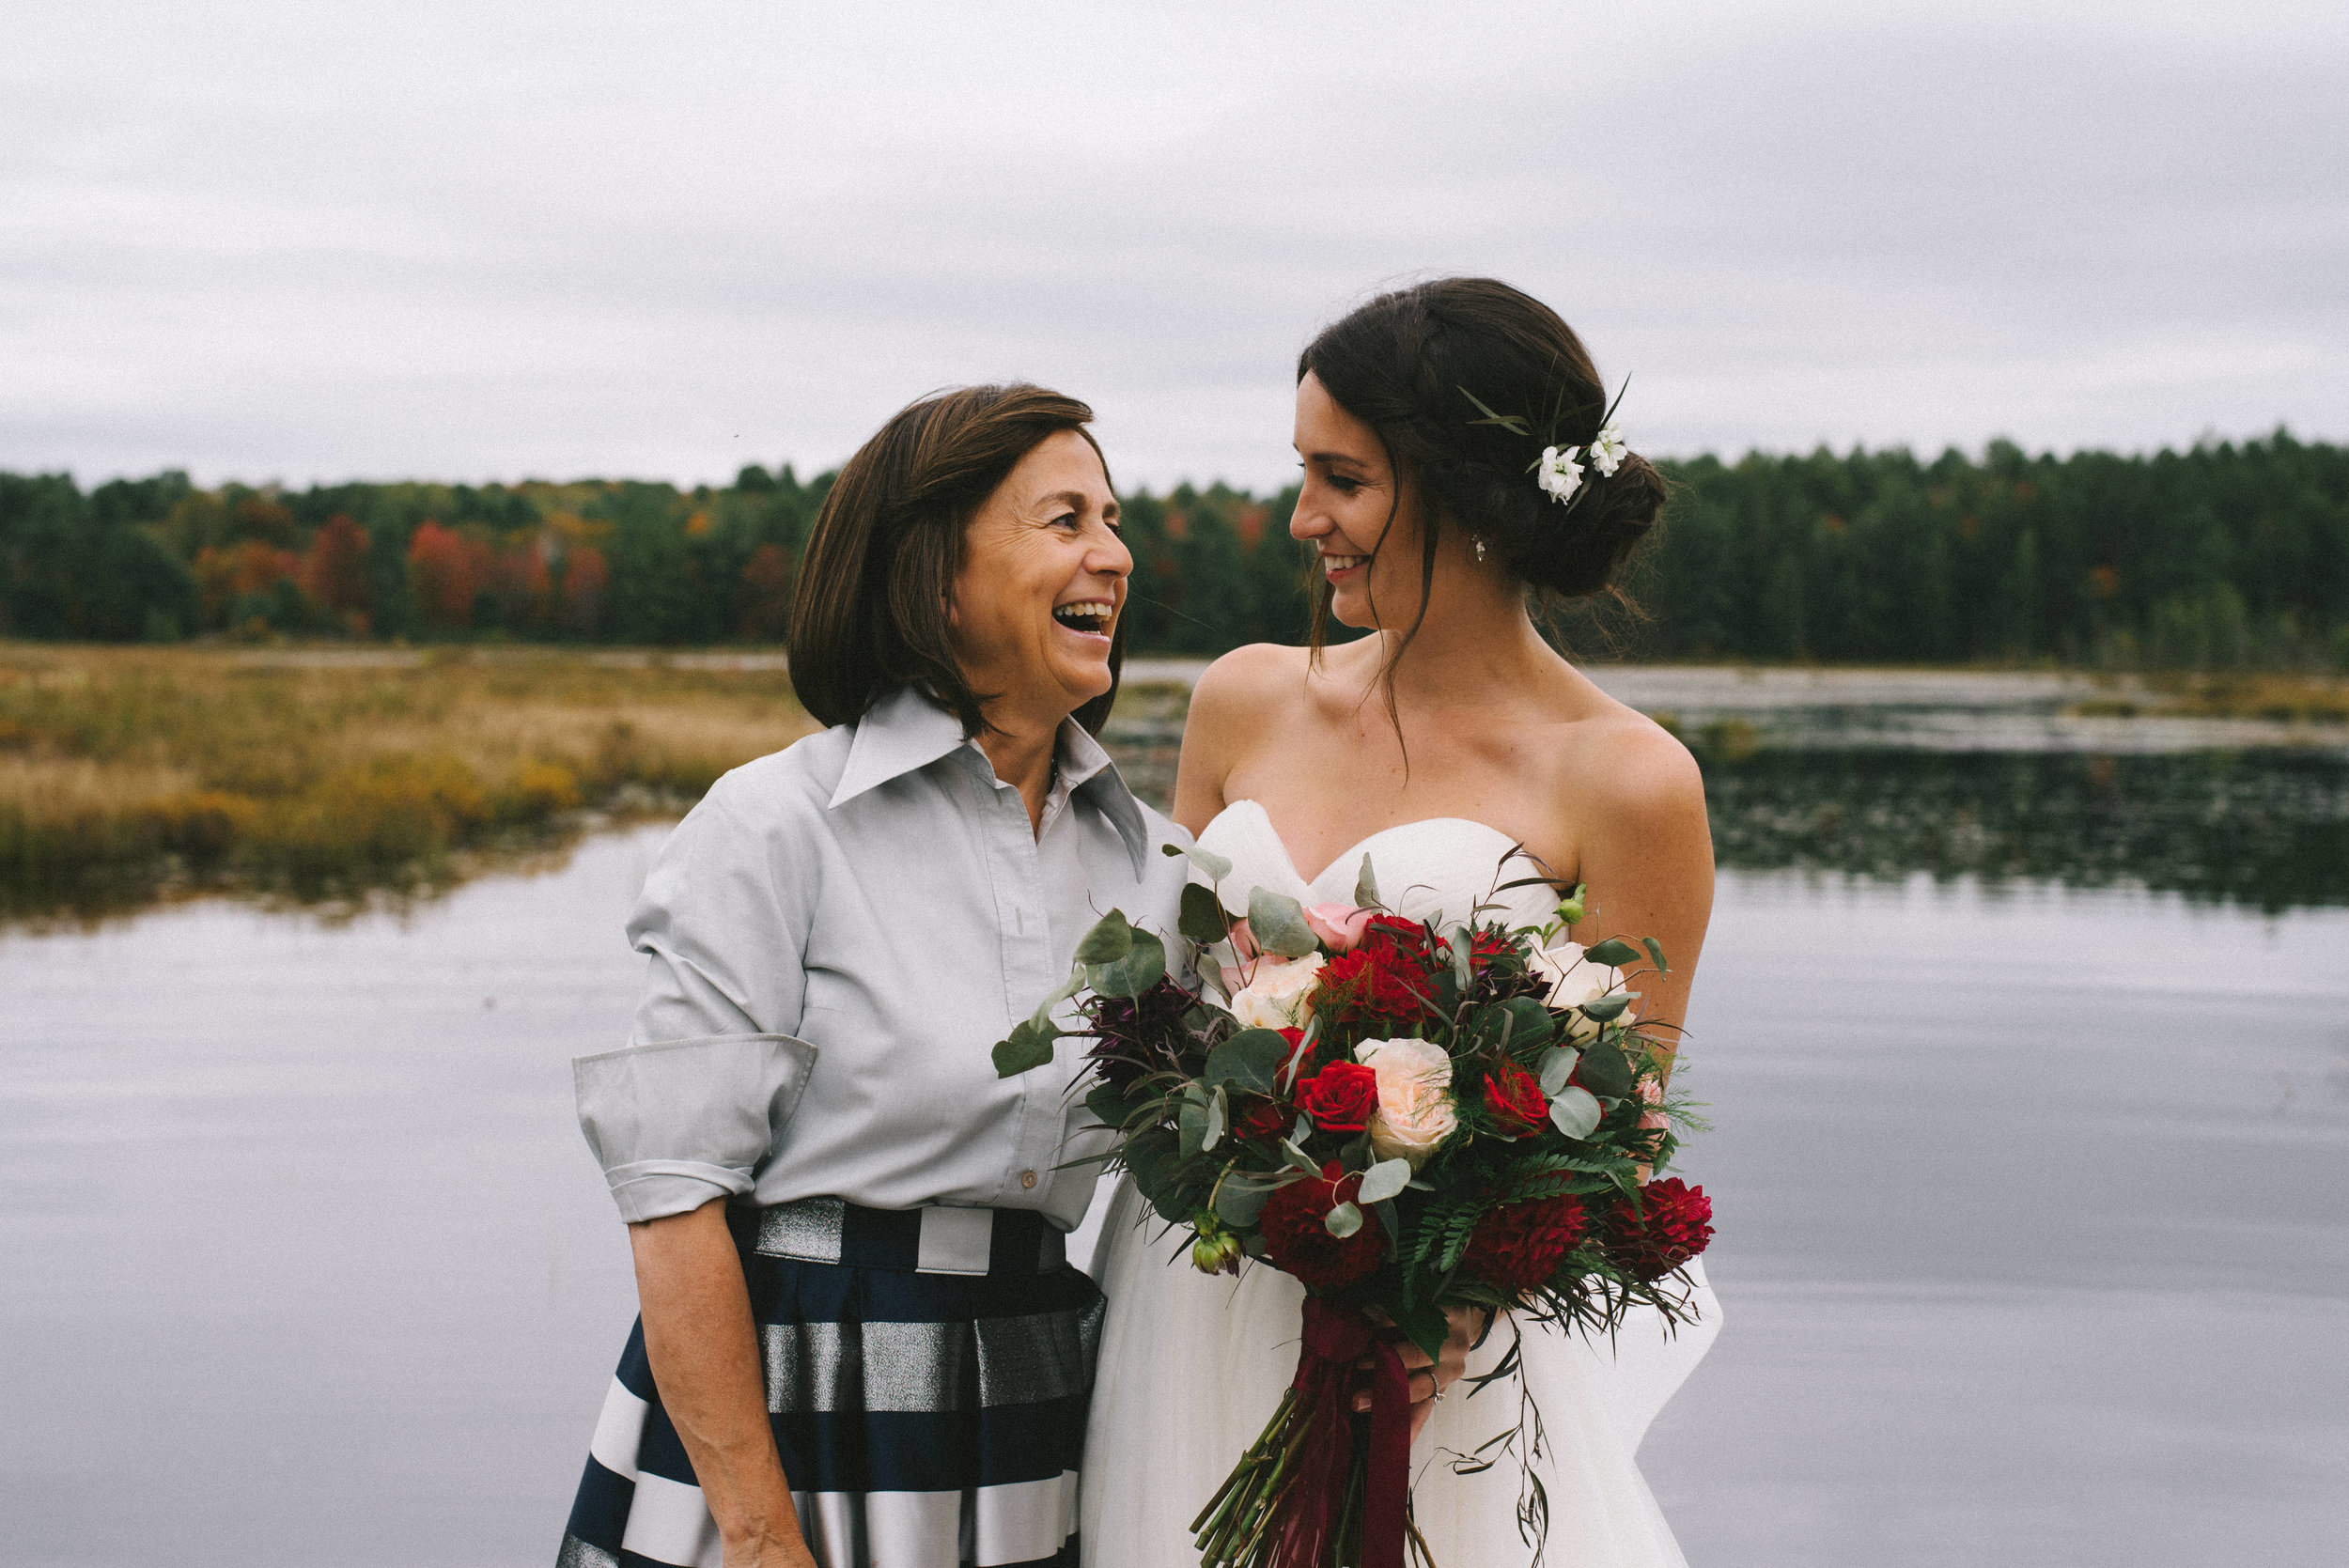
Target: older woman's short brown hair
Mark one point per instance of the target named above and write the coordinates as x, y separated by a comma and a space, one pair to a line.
870, 615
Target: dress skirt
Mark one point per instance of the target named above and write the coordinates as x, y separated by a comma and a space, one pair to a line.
929, 1373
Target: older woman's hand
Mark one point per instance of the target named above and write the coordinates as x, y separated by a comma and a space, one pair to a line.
1428, 1378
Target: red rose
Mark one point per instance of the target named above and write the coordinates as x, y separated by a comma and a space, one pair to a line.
1262, 1118
1377, 980
1298, 1241
1673, 1224
1516, 1099
1342, 1097
1516, 1246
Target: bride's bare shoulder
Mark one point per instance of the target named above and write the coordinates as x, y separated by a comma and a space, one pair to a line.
1624, 766
1242, 696
1247, 684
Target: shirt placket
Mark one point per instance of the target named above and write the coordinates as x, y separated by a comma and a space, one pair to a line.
1026, 932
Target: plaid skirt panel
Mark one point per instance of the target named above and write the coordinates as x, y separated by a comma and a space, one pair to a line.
927, 1381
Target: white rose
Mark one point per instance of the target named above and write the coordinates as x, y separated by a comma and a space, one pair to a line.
1415, 1112
1274, 997
1574, 982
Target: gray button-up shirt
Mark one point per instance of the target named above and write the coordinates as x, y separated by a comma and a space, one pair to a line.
838, 933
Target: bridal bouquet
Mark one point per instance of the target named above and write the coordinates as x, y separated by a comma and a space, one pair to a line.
1404, 1118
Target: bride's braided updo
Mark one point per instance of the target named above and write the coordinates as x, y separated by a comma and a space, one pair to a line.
1414, 364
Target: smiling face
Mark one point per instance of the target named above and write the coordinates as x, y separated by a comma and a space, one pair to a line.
1041, 584
1343, 509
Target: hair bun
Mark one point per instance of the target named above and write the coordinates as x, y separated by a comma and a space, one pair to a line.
1417, 365
1576, 550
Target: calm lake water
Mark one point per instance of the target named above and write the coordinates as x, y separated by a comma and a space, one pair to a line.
2033, 1204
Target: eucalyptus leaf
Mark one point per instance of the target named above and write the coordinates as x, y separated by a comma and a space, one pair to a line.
1025, 1049
1613, 954
1107, 941
1152, 1155
1530, 1024
1391, 1220
1191, 1119
1215, 865
1042, 1017
1142, 967
1277, 922
1366, 886
1303, 1130
1216, 1112
1384, 1180
1203, 919
1607, 1009
1575, 1111
1240, 1203
1606, 1072
1107, 1106
1656, 950
1558, 1065
1299, 1159
1250, 1060
1297, 1066
1342, 1221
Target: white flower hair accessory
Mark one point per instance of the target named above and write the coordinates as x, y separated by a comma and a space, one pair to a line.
1607, 451
1559, 470
1559, 474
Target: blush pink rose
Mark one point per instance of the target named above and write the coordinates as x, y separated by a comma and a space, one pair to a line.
1340, 927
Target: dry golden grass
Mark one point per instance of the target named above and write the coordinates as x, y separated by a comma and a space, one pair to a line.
2289, 699
127, 772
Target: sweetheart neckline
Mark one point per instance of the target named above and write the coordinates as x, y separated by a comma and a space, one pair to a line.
1314, 882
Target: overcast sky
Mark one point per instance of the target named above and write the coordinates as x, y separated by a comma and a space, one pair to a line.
494, 241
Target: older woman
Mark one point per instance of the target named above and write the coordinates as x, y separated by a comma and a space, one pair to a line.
860, 1340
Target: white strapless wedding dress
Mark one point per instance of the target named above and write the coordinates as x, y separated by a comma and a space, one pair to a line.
1191, 1364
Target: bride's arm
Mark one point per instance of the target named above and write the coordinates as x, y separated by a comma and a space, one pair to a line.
1647, 854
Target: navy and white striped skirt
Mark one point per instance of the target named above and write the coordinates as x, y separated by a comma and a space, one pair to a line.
927, 1376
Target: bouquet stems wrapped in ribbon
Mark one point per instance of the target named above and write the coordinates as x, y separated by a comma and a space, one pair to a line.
1407, 1120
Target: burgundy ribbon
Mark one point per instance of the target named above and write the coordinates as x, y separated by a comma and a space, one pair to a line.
1335, 1338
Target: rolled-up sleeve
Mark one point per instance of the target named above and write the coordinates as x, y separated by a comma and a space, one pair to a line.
691, 1108
680, 1123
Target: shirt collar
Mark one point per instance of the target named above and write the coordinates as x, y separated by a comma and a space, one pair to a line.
901, 733
905, 732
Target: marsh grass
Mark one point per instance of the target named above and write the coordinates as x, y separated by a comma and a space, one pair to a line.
2281, 698
129, 773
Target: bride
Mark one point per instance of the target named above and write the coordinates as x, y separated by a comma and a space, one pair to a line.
1433, 746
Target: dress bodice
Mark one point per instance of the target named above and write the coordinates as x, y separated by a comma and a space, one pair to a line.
1443, 869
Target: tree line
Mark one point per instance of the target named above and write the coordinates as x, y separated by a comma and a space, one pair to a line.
2225, 555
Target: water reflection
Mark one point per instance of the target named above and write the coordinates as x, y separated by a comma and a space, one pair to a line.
2031, 1251
2267, 828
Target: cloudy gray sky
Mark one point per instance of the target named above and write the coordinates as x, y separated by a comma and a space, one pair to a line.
494, 241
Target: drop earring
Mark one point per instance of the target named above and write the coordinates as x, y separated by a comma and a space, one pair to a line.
1480, 550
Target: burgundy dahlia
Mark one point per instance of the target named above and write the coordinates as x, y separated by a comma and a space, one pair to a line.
1299, 1243
1517, 1247
1673, 1224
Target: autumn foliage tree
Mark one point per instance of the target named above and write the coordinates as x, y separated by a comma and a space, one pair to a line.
2225, 555
335, 574
444, 574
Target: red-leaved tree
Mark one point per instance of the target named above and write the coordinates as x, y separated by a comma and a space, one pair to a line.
334, 572
585, 578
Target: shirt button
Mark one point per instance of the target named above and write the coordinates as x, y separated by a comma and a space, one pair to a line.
1027, 1178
